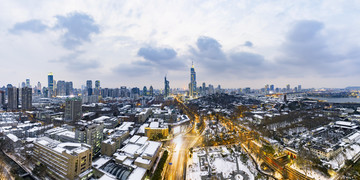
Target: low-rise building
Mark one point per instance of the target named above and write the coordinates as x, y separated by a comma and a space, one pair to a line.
63, 160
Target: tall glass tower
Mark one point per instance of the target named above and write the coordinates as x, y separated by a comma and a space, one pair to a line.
192, 85
51, 84
167, 88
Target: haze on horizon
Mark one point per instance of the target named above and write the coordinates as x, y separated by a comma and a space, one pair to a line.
135, 43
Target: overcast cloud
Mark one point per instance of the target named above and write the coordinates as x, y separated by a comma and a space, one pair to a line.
136, 43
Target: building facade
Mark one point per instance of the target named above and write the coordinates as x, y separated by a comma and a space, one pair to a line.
63, 160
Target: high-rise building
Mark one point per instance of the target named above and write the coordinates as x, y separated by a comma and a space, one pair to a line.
23, 84
89, 87
26, 98
288, 87
61, 88
145, 93
192, 85
267, 88
39, 85
97, 88
203, 88
97, 84
28, 83
2, 98
272, 87
73, 111
91, 134
69, 89
13, 98
45, 92
50, 84
151, 89
167, 88
63, 160
123, 91
299, 87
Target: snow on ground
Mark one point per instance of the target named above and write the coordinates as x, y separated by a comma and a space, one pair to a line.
218, 163
311, 173
224, 167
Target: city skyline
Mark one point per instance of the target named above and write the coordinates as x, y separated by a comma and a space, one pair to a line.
234, 43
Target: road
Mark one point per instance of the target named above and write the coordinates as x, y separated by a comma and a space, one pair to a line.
179, 147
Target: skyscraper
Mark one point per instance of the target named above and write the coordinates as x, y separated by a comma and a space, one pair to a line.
69, 90
192, 85
167, 88
39, 85
97, 87
144, 91
13, 98
89, 87
26, 98
123, 91
151, 89
2, 98
61, 88
50, 84
272, 87
73, 111
288, 87
28, 83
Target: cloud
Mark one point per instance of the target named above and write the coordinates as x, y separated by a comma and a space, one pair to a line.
157, 54
156, 60
34, 26
78, 29
208, 47
248, 44
135, 69
215, 61
74, 62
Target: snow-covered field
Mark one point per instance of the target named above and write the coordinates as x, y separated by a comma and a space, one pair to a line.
220, 160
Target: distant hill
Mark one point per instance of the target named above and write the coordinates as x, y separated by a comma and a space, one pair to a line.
353, 88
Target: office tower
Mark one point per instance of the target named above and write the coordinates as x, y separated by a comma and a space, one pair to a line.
23, 84
288, 87
122, 91
50, 84
13, 98
218, 89
247, 90
116, 92
299, 87
61, 88
203, 88
63, 160
89, 87
28, 83
39, 86
73, 111
69, 89
167, 88
45, 92
272, 87
97, 87
26, 98
151, 89
145, 91
192, 85
2, 98
211, 89
55, 89
267, 88
91, 134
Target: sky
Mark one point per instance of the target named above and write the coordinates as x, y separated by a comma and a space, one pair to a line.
235, 44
